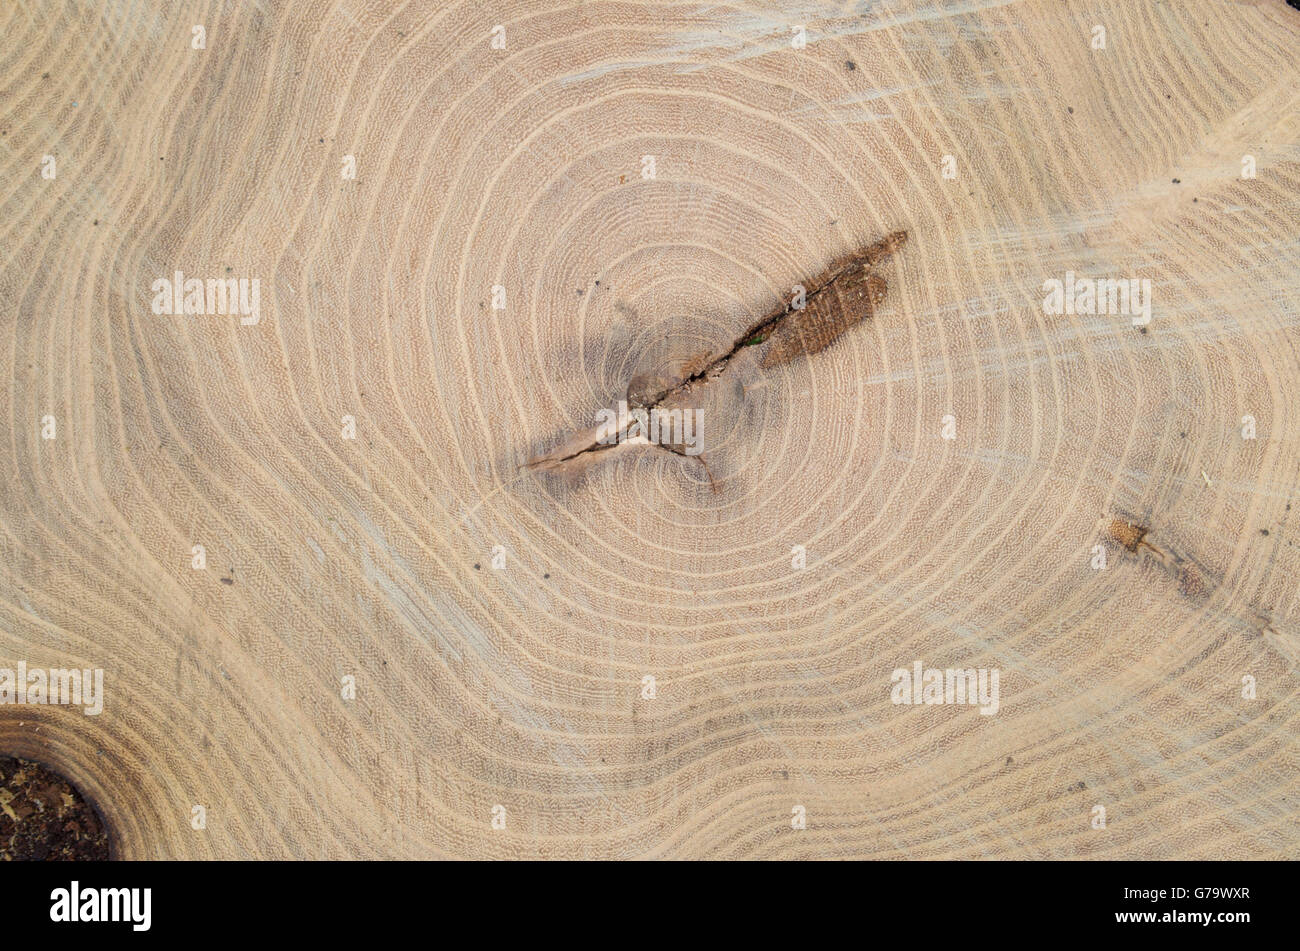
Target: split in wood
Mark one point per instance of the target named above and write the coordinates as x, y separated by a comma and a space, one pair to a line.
844, 294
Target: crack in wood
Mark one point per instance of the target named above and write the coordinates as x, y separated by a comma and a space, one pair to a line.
842, 295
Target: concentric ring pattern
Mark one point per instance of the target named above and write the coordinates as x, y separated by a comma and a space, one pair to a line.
334, 609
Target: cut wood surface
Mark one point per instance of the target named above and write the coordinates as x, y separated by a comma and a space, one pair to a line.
339, 615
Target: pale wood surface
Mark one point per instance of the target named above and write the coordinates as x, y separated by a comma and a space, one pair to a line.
523, 167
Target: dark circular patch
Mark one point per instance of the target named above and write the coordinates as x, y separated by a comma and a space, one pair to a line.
43, 817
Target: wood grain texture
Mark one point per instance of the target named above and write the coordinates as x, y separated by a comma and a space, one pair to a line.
523, 168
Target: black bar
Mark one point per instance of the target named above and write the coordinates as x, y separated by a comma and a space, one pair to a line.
987, 903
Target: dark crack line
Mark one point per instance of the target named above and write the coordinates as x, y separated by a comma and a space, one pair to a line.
766, 326
763, 329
